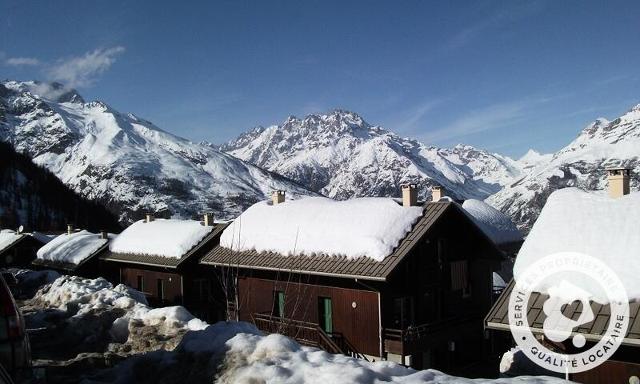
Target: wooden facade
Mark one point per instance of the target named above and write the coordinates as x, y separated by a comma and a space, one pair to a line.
160, 288
422, 306
21, 253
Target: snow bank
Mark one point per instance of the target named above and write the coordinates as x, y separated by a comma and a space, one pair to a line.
161, 237
73, 248
495, 224
275, 358
7, 238
576, 221
364, 227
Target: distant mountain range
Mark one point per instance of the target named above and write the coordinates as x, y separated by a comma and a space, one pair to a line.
125, 162
132, 166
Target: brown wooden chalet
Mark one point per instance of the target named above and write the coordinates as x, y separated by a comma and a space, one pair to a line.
422, 305
68, 260
167, 280
573, 226
19, 249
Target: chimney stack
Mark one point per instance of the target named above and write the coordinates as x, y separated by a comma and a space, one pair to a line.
104, 234
437, 193
409, 195
69, 229
208, 219
277, 197
150, 217
618, 179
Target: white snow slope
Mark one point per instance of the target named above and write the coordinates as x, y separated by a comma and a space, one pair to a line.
73, 248
342, 156
582, 163
364, 227
126, 162
595, 225
161, 237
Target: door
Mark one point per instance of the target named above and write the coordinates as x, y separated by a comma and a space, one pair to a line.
326, 315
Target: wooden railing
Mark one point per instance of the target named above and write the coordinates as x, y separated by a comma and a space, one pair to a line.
403, 339
306, 333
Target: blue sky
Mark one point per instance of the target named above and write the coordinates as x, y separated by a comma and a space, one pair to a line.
500, 75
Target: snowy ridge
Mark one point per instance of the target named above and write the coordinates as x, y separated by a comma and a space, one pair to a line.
582, 163
72, 248
342, 156
591, 224
161, 237
365, 227
126, 162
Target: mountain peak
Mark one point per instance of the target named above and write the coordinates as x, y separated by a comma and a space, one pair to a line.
53, 91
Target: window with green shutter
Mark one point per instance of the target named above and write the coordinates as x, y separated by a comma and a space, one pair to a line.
278, 303
325, 314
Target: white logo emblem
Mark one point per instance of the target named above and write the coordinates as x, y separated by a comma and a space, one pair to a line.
575, 284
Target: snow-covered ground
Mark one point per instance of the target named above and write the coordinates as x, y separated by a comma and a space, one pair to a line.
161, 237
167, 345
363, 227
72, 248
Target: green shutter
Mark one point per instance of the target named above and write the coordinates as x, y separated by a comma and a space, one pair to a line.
280, 304
327, 320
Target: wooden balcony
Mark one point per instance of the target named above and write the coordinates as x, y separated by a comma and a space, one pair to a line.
306, 333
418, 338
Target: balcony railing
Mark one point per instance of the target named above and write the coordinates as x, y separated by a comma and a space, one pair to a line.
306, 333
404, 341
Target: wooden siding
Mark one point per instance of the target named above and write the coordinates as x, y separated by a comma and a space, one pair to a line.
359, 325
610, 372
172, 284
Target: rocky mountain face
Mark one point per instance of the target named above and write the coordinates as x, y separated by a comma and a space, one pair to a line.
582, 163
125, 162
341, 156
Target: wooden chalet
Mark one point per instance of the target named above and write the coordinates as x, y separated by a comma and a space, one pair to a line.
74, 252
422, 305
166, 280
578, 221
19, 249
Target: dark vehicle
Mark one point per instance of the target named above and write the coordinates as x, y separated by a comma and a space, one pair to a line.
15, 352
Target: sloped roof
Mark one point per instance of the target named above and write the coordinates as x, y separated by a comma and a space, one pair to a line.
162, 261
66, 266
362, 268
498, 318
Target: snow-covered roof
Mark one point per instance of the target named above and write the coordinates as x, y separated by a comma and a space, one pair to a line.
363, 227
72, 248
495, 224
160, 237
7, 238
596, 225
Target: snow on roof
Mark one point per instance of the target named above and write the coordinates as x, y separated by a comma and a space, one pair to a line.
596, 225
161, 237
7, 238
495, 224
73, 248
364, 227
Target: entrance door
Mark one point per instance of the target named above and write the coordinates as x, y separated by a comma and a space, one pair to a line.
325, 314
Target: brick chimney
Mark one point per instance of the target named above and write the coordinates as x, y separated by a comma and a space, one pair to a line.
618, 179
207, 219
150, 217
69, 229
437, 192
409, 195
104, 234
277, 197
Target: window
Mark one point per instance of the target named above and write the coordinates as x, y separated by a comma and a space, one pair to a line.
325, 314
140, 283
460, 277
403, 314
278, 304
160, 289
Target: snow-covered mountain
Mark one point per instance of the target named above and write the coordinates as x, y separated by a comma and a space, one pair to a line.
582, 164
126, 162
340, 155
